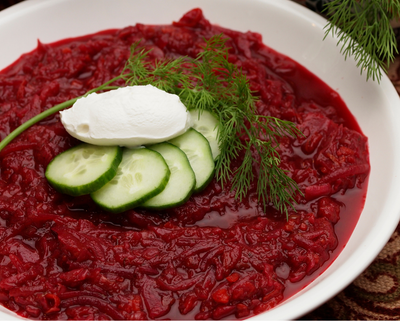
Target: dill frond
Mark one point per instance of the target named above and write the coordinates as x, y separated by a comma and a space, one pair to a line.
364, 32
210, 82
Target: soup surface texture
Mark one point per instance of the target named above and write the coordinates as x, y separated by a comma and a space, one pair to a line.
215, 256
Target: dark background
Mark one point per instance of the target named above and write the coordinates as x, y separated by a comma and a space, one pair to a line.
6, 3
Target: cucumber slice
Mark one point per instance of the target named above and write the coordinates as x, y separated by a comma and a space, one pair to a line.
207, 124
198, 151
83, 169
142, 174
181, 182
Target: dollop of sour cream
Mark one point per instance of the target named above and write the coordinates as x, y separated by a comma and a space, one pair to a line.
128, 116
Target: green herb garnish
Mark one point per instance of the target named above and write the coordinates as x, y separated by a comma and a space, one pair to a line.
210, 82
364, 31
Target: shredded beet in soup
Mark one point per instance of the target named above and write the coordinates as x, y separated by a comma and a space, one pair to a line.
214, 257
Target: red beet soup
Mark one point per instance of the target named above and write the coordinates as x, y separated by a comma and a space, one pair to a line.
214, 257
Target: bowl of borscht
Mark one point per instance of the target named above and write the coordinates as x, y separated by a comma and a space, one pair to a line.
215, 255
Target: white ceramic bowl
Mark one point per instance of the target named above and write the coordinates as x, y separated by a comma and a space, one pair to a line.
290, 29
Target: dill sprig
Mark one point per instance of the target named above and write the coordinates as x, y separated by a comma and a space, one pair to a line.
210, 82
364, 31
